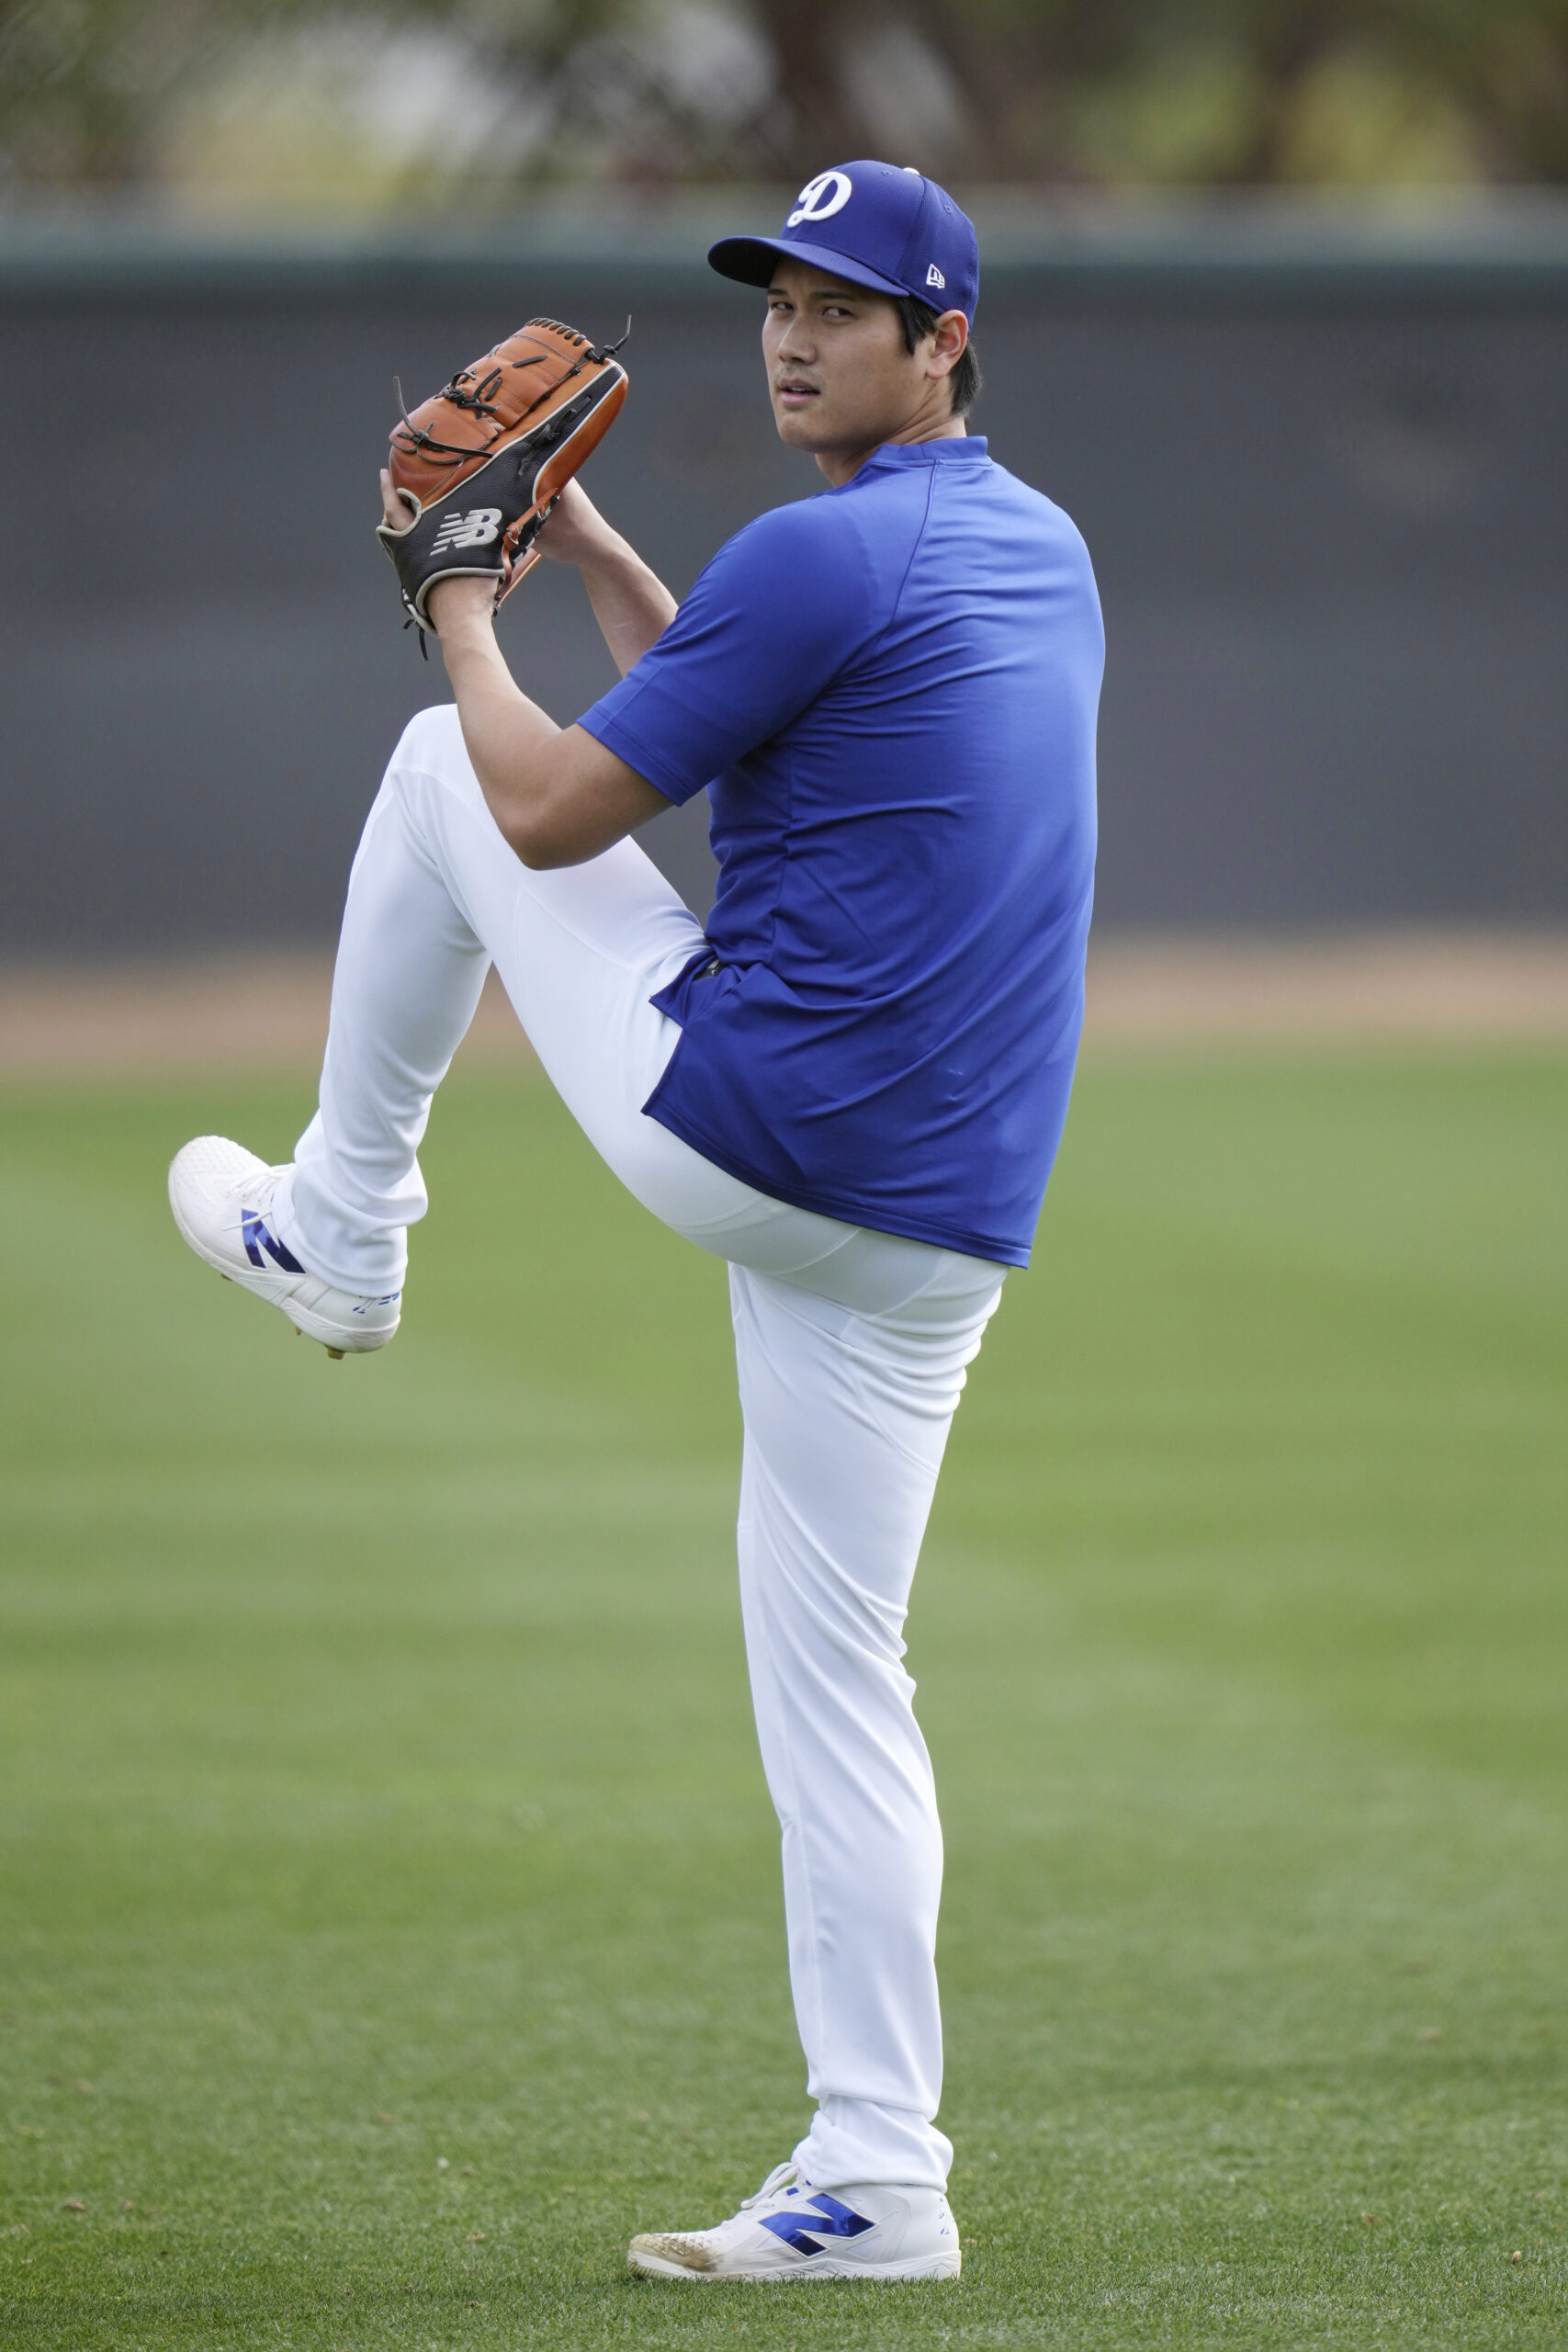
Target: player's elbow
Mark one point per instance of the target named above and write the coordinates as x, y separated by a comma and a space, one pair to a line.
536, 816
545, 856
539, 845
573, 805
551, 831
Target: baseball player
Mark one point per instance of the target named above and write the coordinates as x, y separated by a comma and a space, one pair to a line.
851, 1085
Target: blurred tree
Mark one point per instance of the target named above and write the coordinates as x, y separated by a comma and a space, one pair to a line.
1101, 92
89, 88
1223, 90
82, 83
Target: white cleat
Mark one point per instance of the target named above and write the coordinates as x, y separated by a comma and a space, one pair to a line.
790, 2230
221, 1197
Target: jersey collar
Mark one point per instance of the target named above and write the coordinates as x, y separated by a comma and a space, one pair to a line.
957, 450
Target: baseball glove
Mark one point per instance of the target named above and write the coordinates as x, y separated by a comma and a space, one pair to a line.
480, 465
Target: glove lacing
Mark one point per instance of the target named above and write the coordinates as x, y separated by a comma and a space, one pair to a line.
478, 403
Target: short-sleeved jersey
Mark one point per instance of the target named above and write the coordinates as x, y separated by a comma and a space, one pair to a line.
889, 691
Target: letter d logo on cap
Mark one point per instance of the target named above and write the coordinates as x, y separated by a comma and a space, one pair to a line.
821, 198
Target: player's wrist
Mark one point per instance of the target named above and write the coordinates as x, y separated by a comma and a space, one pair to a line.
575, 532
600, 553
461, 606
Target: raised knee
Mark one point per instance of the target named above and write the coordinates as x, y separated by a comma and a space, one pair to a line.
432, 743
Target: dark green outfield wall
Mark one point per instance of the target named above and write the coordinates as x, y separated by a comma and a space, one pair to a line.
1322, 470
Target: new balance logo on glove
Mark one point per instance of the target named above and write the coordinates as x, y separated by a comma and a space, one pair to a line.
479, 527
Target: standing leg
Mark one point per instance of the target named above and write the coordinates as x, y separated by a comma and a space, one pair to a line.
851, 1349
847, 1413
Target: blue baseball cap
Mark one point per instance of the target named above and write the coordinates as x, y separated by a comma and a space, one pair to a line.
873, 225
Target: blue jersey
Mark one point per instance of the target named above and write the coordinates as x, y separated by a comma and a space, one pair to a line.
889, 691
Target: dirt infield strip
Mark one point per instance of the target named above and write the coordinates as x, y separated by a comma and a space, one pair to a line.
269, 1011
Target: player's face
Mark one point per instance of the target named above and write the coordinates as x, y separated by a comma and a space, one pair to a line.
840, 375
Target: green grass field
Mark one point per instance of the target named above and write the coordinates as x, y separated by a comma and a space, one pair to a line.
390, 1911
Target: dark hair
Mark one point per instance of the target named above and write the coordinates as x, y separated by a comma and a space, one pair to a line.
918, 318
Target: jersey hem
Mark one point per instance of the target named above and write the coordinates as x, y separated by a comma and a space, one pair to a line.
875, 1218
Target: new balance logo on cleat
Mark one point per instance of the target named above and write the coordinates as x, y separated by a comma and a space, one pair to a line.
256, 1239
838, 2222
479, 527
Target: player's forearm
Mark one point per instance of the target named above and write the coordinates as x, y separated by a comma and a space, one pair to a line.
631, 603
509, 739
557, 795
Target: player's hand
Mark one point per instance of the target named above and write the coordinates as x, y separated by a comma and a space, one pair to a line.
396, 515
576, 531
452, 602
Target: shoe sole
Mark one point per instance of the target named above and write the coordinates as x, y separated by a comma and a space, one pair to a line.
920, 2266
337, 1340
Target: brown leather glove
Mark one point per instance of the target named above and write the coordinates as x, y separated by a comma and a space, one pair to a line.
480, 465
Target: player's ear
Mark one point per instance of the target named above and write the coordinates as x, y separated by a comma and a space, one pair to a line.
949, 340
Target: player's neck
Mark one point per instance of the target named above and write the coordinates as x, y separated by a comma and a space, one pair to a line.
840, 466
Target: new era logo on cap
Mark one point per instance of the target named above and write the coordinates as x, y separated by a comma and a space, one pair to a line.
875, 224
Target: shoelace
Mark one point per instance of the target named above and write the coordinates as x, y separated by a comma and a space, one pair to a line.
778, 2178
256, 1191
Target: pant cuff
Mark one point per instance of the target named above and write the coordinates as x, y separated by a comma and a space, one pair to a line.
855, 2142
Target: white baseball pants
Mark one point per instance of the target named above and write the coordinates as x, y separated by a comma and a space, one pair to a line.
851, 1345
